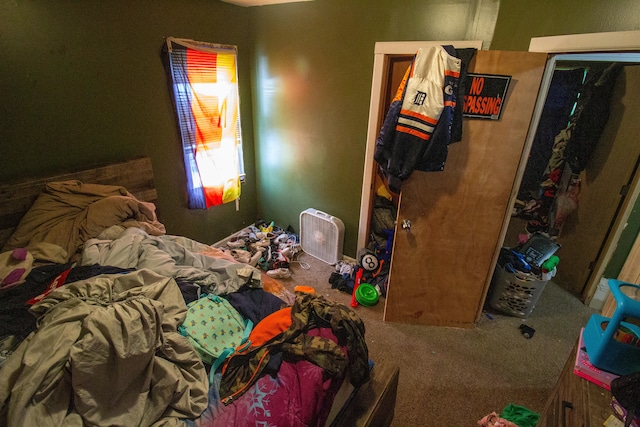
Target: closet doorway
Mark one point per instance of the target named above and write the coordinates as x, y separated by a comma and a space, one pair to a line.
554, 48
592, 203
591, 197
452, 220
391, 60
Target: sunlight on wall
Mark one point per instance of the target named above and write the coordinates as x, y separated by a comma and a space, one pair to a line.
280, 138
270, 142
267, 87
276, 151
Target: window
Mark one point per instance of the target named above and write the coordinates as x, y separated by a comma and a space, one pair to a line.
204, 82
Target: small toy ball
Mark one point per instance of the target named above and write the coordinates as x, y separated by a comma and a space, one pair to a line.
369, 262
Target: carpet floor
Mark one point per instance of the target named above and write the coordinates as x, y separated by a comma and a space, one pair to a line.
454, 376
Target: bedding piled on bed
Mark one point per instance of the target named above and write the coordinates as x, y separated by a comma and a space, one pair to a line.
101, 337
70, 212
106, 352
172, 256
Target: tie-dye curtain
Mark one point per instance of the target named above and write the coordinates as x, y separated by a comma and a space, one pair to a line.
204, 82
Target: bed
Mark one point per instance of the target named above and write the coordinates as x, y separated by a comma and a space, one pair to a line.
94, 297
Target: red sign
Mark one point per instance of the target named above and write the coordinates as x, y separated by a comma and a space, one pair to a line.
485, 96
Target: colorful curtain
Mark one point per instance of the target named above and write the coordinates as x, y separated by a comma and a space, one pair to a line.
205, 89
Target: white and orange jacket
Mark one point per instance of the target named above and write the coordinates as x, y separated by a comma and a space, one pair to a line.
425, 100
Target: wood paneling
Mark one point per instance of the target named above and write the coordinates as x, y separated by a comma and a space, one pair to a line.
575, 401
441, 268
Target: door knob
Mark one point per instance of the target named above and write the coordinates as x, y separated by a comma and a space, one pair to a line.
406, 225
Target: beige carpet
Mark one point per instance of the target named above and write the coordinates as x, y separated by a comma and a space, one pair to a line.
454, 377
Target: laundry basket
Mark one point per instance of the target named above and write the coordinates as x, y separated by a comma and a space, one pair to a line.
516, 293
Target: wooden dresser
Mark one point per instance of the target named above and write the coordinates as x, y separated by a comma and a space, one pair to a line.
373, 404
576, 402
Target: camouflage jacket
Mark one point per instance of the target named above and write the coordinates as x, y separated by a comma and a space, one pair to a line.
308, 312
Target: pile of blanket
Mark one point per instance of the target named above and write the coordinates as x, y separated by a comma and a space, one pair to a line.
94, 325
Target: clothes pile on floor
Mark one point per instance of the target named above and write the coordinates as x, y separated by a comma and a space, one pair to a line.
511, 416
269, 247
266, 246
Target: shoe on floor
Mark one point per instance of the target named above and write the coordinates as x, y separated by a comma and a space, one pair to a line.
535, 225
236, 244
241, 255
291, 251
279, 273
255, 258
282, 238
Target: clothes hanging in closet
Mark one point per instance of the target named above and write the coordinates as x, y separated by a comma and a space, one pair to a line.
573, 147
591, 116
561, 97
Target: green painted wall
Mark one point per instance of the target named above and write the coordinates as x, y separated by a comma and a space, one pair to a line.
312, 86
312, 83
627, 239
519, 21
82, 83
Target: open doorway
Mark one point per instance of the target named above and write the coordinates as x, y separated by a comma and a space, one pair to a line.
580, 178
610, 42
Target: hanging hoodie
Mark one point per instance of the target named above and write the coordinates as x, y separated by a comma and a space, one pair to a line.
591, 116
429, 87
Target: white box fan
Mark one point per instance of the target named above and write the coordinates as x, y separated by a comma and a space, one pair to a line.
321, 235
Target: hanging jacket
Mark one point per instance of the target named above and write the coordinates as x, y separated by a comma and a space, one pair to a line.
591, 116
449, 127
406, 135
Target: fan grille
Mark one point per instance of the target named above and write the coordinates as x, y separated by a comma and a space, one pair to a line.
321, 235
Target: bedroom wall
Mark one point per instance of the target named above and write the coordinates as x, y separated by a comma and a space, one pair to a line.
312, 72
312, 82
82, 83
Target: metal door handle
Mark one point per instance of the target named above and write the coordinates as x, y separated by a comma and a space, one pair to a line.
406, 225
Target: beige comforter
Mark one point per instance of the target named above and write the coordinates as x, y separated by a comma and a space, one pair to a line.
69, 213
107, 352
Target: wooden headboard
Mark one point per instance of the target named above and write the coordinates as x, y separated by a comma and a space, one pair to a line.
16, 199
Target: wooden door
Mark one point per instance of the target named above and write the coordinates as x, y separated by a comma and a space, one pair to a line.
389, 64
611, 167
441, 266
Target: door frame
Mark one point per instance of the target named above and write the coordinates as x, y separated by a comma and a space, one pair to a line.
611, 43
619, 41
382, 53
